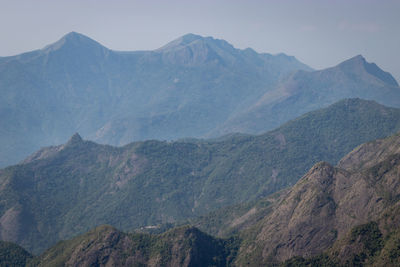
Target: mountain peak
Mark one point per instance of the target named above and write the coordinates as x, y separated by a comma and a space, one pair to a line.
182, 41
75, 139
72, 39
359, 63
190, 37
358, 60
74, 35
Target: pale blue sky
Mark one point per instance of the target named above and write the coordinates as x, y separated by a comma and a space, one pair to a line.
321, 33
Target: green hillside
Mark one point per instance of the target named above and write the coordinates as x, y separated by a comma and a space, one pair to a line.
347, 215
63, 191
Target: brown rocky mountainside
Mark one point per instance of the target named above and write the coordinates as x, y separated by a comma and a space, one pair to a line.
327, 203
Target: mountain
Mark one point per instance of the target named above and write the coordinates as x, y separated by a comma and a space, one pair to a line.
343, 215
65, 190
106, 246
193, 86
346, 215
327, 203
304, 91
184, 89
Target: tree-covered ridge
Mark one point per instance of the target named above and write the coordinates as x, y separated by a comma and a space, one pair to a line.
106, 246
12, 255
346, 215
66, 190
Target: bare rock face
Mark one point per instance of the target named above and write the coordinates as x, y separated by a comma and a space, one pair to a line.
367, 155
327, 203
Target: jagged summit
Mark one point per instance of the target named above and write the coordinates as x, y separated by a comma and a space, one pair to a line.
181, 41
359, 63
193, 40
351, 63
188, 38
75, 139
72, 39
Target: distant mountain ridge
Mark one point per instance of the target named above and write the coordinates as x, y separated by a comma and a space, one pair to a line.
192, 87
305, 91
184, 89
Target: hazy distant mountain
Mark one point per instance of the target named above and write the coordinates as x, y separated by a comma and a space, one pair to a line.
305, 91
192, 87
61, 191
184, 89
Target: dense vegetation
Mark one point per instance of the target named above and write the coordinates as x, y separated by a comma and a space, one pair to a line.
12, 255
320, 220
63, 191
105, 246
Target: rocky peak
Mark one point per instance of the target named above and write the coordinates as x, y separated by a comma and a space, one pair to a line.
73, 40
75, 140
192, 49
321, 173
359, 64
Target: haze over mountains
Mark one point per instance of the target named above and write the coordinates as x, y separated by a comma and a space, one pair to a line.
61, 191
192, 87
184, 89
269, 183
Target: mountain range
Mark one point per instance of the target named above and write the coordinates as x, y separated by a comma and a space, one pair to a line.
192, 87
196, 154
343, 215
65, 190
183, 89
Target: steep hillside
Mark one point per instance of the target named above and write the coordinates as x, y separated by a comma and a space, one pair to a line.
106, 246
305, 91
62, 191
333, 216
185, 88
327, 203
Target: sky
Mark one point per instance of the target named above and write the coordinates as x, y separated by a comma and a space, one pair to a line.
320, 33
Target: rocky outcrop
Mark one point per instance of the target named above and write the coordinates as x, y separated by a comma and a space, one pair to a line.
327, 203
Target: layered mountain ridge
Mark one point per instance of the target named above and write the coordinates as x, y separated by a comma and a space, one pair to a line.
333, 216
305, 91
192, 87
64, 190
345, 215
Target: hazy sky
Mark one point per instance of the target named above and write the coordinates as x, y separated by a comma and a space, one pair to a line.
320, 33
